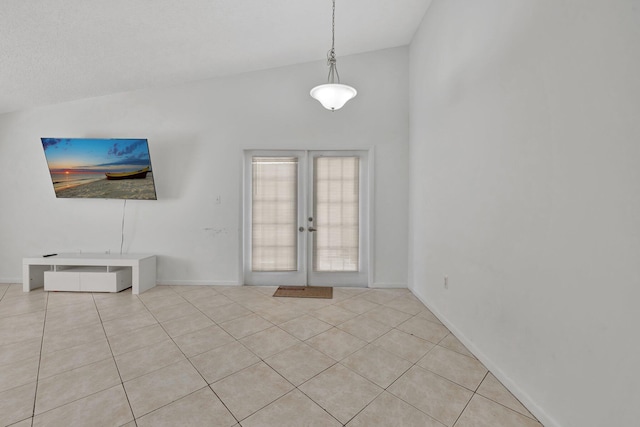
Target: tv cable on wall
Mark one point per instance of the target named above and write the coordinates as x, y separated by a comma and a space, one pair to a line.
124, 206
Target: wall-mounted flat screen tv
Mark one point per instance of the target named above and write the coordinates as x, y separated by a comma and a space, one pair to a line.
100, 168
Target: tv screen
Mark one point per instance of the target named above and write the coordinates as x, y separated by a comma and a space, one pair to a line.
100, 168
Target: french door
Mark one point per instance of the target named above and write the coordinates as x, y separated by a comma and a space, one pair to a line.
306, 218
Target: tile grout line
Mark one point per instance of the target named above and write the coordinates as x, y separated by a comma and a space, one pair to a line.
114, 359
384, 390
5, 291
35, 395
505, 406
415, 364
238, 340
189, 360
346, 367
37, 381
485, 376
357, 315
155, 370
323, 408
470, 399
261, 360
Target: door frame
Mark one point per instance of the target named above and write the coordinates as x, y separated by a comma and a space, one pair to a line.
367, 244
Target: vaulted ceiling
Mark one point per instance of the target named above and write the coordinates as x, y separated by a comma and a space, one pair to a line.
59, 50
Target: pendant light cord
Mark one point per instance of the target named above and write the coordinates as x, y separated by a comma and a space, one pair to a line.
331, 55
333, 26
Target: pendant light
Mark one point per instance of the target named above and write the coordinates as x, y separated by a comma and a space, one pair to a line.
333, 95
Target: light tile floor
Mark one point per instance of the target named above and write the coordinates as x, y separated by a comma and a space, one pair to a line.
236, 356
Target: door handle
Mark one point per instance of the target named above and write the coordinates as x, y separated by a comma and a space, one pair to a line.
301, 229
312, 229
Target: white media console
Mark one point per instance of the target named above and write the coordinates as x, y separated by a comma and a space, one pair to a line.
90, 272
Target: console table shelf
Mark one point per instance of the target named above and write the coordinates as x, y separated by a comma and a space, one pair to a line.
90, 272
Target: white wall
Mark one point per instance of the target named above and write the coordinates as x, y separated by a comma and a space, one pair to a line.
196, 135
525, 191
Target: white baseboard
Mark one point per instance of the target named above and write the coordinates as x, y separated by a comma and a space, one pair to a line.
520, 394
383, 285
159, 282
197, 283
378, 285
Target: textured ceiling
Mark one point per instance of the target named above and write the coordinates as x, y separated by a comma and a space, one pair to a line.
59, 50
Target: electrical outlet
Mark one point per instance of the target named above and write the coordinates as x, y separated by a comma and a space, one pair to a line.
446, 282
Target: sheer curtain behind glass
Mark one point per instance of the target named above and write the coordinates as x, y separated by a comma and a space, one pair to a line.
274, 214
337, 214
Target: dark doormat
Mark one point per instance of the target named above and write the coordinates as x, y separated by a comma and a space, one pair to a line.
304, 292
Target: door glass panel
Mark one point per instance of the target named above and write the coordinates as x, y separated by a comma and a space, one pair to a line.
274, 214
337, 213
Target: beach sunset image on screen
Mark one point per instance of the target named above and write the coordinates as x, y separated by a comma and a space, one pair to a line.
100, 168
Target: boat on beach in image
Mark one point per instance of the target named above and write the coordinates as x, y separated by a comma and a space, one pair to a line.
139, 174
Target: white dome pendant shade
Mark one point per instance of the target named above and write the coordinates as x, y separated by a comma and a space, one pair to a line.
333, 95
